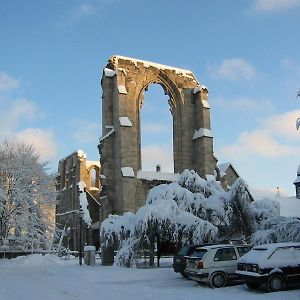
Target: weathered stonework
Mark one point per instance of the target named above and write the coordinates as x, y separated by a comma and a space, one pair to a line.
72, 170
124, 82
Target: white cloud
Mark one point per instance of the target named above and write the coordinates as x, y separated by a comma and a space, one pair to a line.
154, 127
154, 155
283, 125
42, 141
234, 69
14, 113
7, 82
83, 10
267, 141
266, 6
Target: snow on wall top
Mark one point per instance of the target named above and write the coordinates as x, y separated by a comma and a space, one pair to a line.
80, 153
151, 175
202, 132
115, 60
90, 163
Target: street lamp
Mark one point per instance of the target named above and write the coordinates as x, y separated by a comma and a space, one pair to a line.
80, 215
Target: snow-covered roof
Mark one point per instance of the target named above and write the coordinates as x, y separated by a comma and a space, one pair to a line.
202, 132
223, 168
124, 121
152, 175
127, 172
122, 89
297, 180
115, 59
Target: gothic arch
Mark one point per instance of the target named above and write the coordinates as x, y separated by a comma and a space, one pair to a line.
124, 82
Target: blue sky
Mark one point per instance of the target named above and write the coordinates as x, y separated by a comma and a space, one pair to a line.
246, 52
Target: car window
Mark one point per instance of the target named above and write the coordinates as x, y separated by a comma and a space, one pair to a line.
225, 254
199, 253
282, 254
183, 250
243, 250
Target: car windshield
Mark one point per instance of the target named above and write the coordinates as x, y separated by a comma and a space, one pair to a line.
199, 253
183, 250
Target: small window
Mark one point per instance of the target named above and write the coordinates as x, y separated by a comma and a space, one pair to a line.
225, 254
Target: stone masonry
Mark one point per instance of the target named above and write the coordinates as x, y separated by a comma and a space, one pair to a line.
124, 82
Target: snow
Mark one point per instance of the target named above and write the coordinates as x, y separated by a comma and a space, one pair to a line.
124, 121
148, 64
108, 134
89, 248
262, 255
122, 89
151, 175
91, 163
80, 153
109, 72
127, 172
202, 132
205, 103
48, 277
84, 203
289, 206
199, 88
223, 168
297, 180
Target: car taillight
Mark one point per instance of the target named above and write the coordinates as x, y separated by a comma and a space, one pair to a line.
199, 264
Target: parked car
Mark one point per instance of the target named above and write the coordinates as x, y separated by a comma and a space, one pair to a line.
179, 260
215, 264
274, 265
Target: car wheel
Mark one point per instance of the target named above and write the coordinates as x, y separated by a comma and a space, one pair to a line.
276, 283
217, 280
252, 285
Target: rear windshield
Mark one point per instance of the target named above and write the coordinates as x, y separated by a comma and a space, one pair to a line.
183, 250
199, 253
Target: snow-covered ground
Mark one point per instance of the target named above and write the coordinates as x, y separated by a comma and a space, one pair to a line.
50, 278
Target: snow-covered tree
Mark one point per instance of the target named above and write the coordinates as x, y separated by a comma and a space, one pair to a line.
26, 195
191, 210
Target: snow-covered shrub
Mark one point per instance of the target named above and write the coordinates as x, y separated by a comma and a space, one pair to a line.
191, 210
264, 209
277, 230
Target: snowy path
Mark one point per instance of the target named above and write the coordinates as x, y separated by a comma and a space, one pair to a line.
49, 278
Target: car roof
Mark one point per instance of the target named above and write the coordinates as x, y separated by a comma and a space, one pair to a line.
222, 246
277, 245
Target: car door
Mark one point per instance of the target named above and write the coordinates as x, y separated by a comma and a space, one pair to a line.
225, 259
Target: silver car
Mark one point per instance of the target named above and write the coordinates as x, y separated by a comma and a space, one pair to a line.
215, 264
